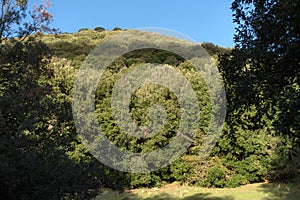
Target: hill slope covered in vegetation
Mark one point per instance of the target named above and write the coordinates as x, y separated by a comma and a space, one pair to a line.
40, 133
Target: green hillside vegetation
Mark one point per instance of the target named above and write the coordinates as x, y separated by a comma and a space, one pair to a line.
141, 101
43, 157
244, 154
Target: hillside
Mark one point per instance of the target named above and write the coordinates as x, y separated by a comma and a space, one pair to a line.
41, 130
246, 160
76, 46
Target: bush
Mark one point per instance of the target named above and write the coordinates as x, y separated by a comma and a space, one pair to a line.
117, 29
216, 177
181, 170
99, 29
83, 29
236, 180
144, 180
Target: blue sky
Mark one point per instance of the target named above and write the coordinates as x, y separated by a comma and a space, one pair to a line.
202, 20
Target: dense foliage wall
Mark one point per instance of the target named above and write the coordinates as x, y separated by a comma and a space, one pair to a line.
42, 156
40, 142
248, 151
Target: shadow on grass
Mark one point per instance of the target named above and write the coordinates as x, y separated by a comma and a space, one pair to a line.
162, 196
280, 191
288, 171
199, 196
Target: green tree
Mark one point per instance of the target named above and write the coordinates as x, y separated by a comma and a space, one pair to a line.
41, 156
262, 83
99, 29
268, 36
17, 21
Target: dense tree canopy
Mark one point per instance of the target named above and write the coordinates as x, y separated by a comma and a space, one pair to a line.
262, 80
268, 40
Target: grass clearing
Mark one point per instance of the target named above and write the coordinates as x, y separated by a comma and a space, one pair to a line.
259, 191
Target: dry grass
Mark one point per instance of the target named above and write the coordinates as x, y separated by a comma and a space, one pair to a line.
259, 191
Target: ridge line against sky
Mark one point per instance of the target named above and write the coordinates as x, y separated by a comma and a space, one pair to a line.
202, 20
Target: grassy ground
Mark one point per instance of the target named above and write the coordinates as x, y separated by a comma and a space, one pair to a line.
260, 191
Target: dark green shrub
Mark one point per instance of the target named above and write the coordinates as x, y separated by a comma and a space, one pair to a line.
236, 180
99, 29
181, 170
216, 177
117, 29
144, 180
83, 29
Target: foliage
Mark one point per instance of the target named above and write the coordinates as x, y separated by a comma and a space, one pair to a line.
262, 85
17, 21
83, 29
74, 47
40, 143
117, 29
141, 101
41, 154
43, 157
181, 170
216, 176
213, 49
193, 171
269, 45
99, 29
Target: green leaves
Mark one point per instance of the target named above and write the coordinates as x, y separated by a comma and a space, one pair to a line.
17, 21
261, 76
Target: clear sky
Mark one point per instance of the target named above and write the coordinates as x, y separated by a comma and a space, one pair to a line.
202, 20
